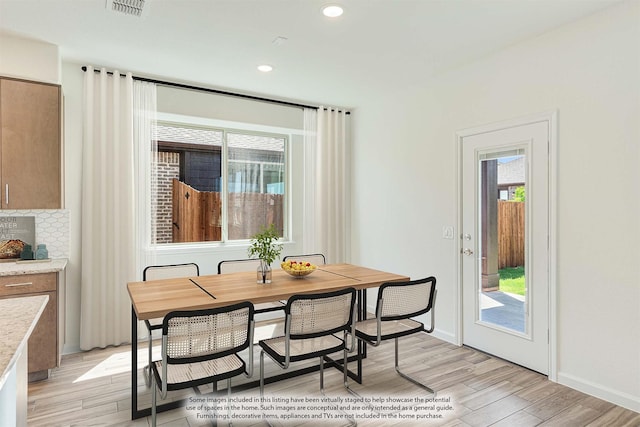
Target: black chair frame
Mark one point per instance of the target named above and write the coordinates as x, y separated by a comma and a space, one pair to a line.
324, 259
245, 368
376, 339
154, 327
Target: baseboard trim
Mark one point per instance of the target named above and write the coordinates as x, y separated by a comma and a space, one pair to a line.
445, 336
600, 391
71, 349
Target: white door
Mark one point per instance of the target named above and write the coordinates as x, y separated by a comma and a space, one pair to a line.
501, 235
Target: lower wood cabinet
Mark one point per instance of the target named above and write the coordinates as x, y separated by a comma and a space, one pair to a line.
43, 350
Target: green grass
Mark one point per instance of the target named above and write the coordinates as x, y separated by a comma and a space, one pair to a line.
512, 280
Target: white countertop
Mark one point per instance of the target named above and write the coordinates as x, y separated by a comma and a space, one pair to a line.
11, 268
18, 318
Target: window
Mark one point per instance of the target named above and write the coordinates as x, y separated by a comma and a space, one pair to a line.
217, 184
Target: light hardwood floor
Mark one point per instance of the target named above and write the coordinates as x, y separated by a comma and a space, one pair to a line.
93, 389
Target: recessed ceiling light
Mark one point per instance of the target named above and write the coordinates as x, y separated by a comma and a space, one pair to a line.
265, 68
332, 11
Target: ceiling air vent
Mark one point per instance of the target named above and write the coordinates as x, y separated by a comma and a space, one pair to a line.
128, 7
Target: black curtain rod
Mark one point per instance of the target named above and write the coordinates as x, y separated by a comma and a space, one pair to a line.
216, 91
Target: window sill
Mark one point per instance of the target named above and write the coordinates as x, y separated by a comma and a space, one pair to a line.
206, 247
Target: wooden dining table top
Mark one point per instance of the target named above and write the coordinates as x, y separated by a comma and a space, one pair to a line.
156, 298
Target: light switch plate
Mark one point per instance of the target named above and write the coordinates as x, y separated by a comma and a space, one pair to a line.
447, 232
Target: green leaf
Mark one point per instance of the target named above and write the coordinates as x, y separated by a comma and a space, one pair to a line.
264, 246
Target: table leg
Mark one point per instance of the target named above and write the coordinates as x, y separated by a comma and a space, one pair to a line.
134, 364
362, 347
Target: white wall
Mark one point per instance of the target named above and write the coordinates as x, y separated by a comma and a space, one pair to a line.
232, 109
590, 72
29, 59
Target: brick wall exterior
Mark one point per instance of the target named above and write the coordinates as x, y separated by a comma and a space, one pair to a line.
168, 167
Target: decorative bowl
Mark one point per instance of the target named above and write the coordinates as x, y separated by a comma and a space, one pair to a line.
298, 269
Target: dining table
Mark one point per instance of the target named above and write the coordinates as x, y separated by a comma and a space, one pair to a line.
156, 298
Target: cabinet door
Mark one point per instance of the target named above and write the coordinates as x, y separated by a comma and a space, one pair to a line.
43, 342
31, 150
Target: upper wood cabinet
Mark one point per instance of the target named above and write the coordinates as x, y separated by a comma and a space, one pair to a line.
30, 145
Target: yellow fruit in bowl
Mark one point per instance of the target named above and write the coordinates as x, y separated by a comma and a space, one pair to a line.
298, 268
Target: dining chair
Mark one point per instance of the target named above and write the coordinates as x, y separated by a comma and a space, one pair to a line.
397, 303
243, 265
317, 259
201, 347
312, 326
158, 272
238, 265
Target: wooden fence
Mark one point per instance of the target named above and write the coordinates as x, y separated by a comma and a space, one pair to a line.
510, 234
197, 215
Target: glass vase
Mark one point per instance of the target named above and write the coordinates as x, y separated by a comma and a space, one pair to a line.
264, 273
42, 252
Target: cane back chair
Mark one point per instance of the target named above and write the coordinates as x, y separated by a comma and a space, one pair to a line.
158, 272
201, 347
313, 323
396, 305
317, 259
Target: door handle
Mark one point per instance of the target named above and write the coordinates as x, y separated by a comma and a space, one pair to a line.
466, 251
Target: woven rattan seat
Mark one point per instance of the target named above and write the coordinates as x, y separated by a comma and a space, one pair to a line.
158, 272
315, 325
397, 304
194, 374
369, 328
202, 346
301, 349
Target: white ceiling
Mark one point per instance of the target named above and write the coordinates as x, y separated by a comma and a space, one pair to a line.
219, 43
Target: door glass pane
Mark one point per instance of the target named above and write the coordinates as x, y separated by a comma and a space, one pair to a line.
501, 240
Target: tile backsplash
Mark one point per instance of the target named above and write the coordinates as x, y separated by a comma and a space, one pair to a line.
52, 228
